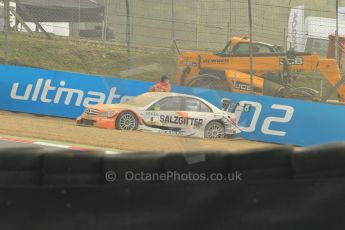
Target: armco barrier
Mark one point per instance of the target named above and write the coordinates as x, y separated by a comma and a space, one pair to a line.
65, 94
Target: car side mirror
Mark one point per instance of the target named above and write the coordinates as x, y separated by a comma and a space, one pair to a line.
242, 108
246, 108
225, 104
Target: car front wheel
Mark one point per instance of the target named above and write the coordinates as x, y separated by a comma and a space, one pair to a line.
214, 129
127, 121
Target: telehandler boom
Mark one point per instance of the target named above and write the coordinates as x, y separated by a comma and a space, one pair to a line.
229, 70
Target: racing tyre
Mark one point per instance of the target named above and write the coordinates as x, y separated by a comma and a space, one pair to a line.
301, 93
214, 129
210, 82
127, 121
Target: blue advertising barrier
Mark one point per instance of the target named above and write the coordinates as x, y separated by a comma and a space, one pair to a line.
65, 94
59, 93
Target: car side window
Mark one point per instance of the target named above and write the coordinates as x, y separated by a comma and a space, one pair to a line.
262, 49
167, 104
195, 105
227, 51
204, 108
241, 49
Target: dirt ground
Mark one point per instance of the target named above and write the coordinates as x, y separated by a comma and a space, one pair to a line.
60, 129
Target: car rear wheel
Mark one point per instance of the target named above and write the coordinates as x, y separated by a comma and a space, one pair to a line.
214, 129
127, 121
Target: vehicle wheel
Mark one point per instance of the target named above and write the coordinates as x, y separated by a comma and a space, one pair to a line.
214, 129
210, 82
127, 121
300, 93
300, 96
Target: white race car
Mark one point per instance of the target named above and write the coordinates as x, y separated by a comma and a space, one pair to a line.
169, 113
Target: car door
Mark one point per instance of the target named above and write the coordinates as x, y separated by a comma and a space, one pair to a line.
165, 112
196, 112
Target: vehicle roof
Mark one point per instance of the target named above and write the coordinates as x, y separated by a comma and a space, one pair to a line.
235, 40
159, 95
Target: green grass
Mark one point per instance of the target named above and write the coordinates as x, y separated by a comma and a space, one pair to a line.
85, 56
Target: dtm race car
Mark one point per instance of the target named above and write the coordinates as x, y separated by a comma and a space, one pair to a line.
169, 113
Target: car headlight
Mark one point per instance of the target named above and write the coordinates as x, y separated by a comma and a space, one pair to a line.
108, 114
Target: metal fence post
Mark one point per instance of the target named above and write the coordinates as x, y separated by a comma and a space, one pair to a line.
287, 26
105, 22
196, 36
321, 87
229, 22
173, 20
6, 28
285, 37
337, 33
198, 23
128, 38
173, 25
79, 16
250, 45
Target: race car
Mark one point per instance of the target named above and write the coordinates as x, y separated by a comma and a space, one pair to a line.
168, 113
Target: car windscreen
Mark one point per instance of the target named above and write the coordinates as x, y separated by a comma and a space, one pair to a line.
140, 101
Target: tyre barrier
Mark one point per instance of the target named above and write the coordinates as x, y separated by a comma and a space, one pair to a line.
280, 188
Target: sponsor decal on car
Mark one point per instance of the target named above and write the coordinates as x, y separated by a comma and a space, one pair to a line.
167, 119
151, 113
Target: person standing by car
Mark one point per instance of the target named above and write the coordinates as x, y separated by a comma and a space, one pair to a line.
162, 86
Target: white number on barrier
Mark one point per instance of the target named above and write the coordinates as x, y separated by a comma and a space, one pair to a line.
252, 126
267, 122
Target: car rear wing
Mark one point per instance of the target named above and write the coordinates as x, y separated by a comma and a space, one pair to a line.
231, 107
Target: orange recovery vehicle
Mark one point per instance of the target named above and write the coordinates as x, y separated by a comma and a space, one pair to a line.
229, 70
